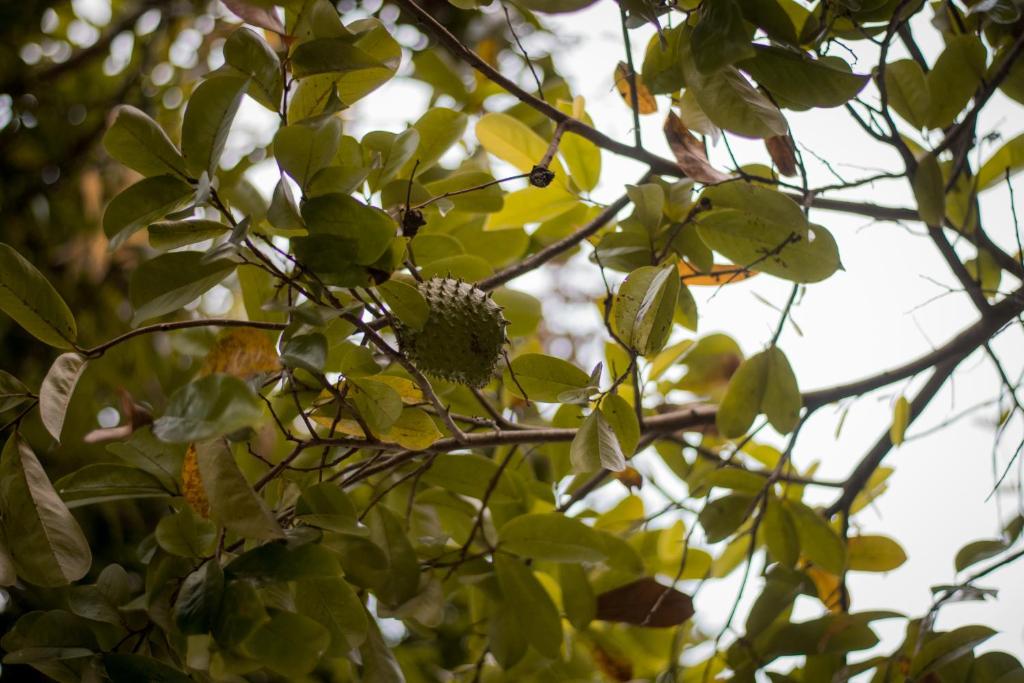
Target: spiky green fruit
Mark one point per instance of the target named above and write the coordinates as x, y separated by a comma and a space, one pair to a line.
463, 336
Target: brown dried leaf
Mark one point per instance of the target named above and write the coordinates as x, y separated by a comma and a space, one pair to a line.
612, 664
689, 152
192, 483
645, 602
780, 147
645, 102
257, 16
242, 352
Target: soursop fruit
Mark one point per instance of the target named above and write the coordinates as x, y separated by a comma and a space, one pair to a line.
463, 336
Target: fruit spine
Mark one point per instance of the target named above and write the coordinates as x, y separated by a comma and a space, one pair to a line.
463, 337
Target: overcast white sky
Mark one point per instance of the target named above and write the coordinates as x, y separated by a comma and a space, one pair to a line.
880, 312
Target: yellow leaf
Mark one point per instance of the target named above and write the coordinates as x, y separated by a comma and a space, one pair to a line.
413, 430
192, 483
242, 352
829, 587
513, 141
406, 388
645, 102
719, 275
900, 420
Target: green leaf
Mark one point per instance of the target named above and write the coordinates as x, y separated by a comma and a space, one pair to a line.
523, 311
644, 306
530, 605
406, 303
1009, 159
582, 156
780, 533
469, 474
13, 392
233, 503
929, 191
199, 599
513, 141
378, 403
908, 92
780, 590
721, 37
249, 53
387, 153
818, 541
140, 204
288, 643
57, 389
401, 581
333, 604
764, 383
623, 420
240, 614
145, 452
342, 229
662, 67
103, 482
45, 542
306, 351
977, 551
185, 534
649, 204
789, 251
439, 128
552, 537
280, 562
957, 73
302, 150
31, 300
334, 55
595, 446
204, 130
211, 406
544, 378
797, 81
133, 668
900, 420
379, 662
531, 205
578, 597
732, 103
723, 516
168, 282
139, 143
946, 647
173, 234
874, 554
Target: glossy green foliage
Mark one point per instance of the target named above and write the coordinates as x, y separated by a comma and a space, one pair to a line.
377, 373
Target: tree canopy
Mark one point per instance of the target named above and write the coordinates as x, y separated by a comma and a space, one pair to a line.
279, 401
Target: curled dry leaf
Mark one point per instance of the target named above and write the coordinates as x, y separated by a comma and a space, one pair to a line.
689, 152
263, 17
719, 275
645, 102
192, 483
782, 152
645, 602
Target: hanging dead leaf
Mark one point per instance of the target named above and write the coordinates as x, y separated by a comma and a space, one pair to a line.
242, 352
257, 16
645, 602
690, 153
781, 149
719, 275
192, 483
645, 102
